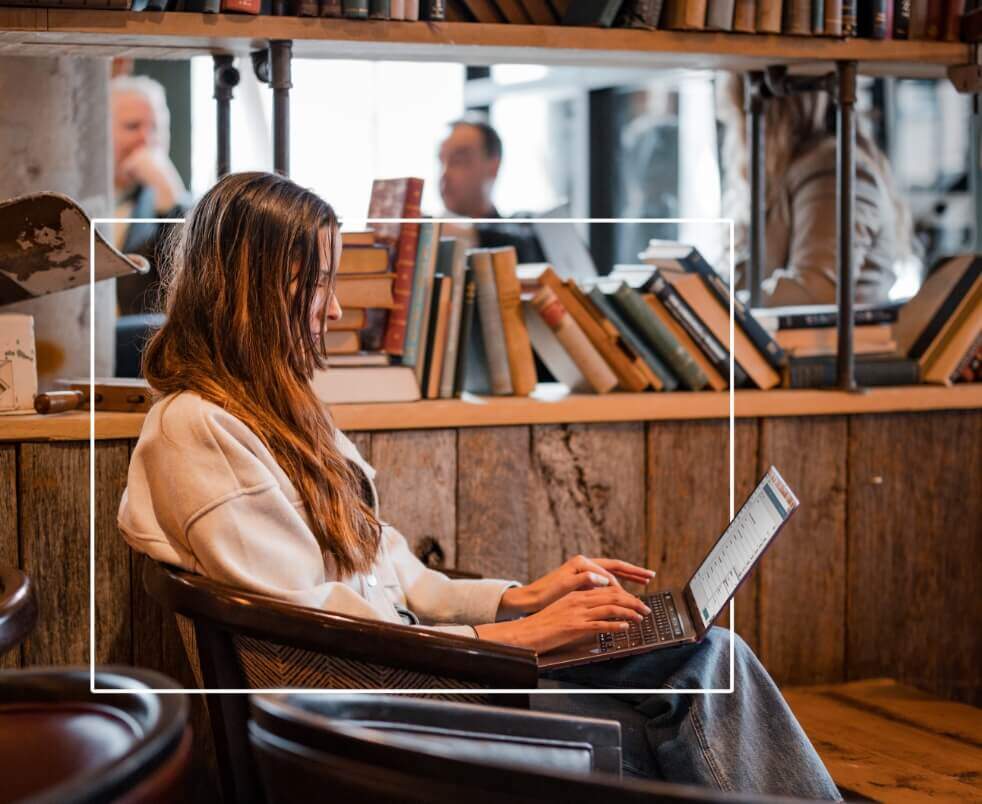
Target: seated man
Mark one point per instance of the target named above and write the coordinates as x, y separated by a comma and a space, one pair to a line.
470, 157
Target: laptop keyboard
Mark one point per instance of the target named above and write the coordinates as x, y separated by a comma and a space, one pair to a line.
662, 625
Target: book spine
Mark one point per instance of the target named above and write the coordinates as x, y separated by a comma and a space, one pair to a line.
356, 9
745, 16
405, 268
379, 9
521, 363
719, 15
769, 16
711, 348
933, 24
668, 381
968, 369
918, 18
434, 10
466, 325
872, 20
662, 341
491, 326
901, 19
875, 315
583, 353
331, 8
818, 16
821, 372
411, 10
833, 18
422, 297
799, 17
240, 6
849, 17
457, 271
962, 287
951, 30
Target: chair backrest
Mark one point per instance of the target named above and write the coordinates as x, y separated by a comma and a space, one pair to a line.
18, 608
301, 753
61, 742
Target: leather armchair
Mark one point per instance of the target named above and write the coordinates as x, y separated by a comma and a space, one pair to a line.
18, 608
60, 742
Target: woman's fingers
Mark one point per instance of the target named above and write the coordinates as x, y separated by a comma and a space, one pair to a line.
613, 612
614, 597
582, 564
626, 570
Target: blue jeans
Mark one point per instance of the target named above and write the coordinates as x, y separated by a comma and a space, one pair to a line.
747, 741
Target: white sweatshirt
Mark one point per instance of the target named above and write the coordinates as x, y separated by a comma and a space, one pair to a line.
204, 494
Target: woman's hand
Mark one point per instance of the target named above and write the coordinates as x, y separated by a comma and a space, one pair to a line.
571, 618
578, 573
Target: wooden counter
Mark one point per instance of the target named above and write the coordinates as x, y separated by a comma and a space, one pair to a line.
548, 407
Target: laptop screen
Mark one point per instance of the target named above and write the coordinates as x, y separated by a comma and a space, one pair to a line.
738, 549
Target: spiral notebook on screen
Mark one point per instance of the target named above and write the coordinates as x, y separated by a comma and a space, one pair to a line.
682, 616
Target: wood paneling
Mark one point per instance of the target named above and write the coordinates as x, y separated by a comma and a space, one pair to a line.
9, 542
802, 579
586, 494
915, 548
54, 516
425, 462
493, 467
688, 502
112, 557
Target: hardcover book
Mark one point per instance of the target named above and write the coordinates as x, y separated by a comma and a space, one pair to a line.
745, 16
492, 330
719, 15
870, 371
769, 14
833, 18
715, 380
521, 363
457, 260
685, 15
414, 349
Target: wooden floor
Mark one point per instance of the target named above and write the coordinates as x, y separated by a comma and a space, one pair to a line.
883, 741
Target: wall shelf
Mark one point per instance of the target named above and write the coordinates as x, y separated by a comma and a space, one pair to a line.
35, 32
502, 411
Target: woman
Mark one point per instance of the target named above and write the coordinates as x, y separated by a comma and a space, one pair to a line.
239, 474
800, 206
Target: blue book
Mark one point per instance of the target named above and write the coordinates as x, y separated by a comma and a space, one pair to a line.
419, 302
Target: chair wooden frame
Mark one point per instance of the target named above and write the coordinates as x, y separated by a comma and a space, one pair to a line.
18, 608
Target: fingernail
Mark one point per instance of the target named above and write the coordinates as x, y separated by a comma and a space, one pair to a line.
624, 626
646, 609
599, 580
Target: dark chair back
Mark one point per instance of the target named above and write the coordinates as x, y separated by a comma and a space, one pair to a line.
307, 744
18, 608
61, 742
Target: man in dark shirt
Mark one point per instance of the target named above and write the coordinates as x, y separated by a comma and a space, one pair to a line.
470, 157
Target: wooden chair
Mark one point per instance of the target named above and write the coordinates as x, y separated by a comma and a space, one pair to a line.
18, 608
60, 742
237, 640
387, 751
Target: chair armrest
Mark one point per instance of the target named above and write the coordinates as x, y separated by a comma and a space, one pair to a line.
347, 637
18, 608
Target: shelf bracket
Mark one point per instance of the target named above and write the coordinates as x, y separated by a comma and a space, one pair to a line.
272, 66
226, 79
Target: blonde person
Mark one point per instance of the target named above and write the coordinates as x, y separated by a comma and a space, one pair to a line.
240, 474
800, 202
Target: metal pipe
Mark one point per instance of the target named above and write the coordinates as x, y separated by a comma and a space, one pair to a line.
975, 167
281, 53
756, 129
845, 213
226, 78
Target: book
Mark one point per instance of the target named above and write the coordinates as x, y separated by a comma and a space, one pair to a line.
397, 9
330, 8
365, 290
341, 343
411, 10
833, 18
745, 16
433, 10
685, 15
934, 21
871, 19
303, 8
379, 9
714, 351
797, 17
371, 260
457, 260
484, 11
521, 363
818, 16
970, 368
769, 16
465, 337
359, 359
437, 339
955, 341
918, 19
358, 239
356, 9
801, 316
344, 385
716, 381
514, 12
414, 348
717, 320
641, 14
951, 22
598, 14
395, 199
576, 362
541, 13
867, 338
849, 17
238, 7
352, 319
659, 375
901, 19
719, 15
489, 315
921, 319
659, 337
870, 371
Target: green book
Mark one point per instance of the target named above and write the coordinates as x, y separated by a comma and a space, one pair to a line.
606, 306
658, 336
357, 9
421, 297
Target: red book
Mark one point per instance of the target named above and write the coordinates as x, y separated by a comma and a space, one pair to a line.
396, 198
240, 6
935, 19
953, 20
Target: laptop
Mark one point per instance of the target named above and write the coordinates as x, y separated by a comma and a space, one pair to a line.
683, 616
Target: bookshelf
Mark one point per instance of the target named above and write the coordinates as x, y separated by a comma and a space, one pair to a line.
28, 31
546, 408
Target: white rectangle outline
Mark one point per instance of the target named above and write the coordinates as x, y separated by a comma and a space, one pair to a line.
469, 691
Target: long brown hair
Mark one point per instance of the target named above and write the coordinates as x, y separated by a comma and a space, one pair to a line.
243, 273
